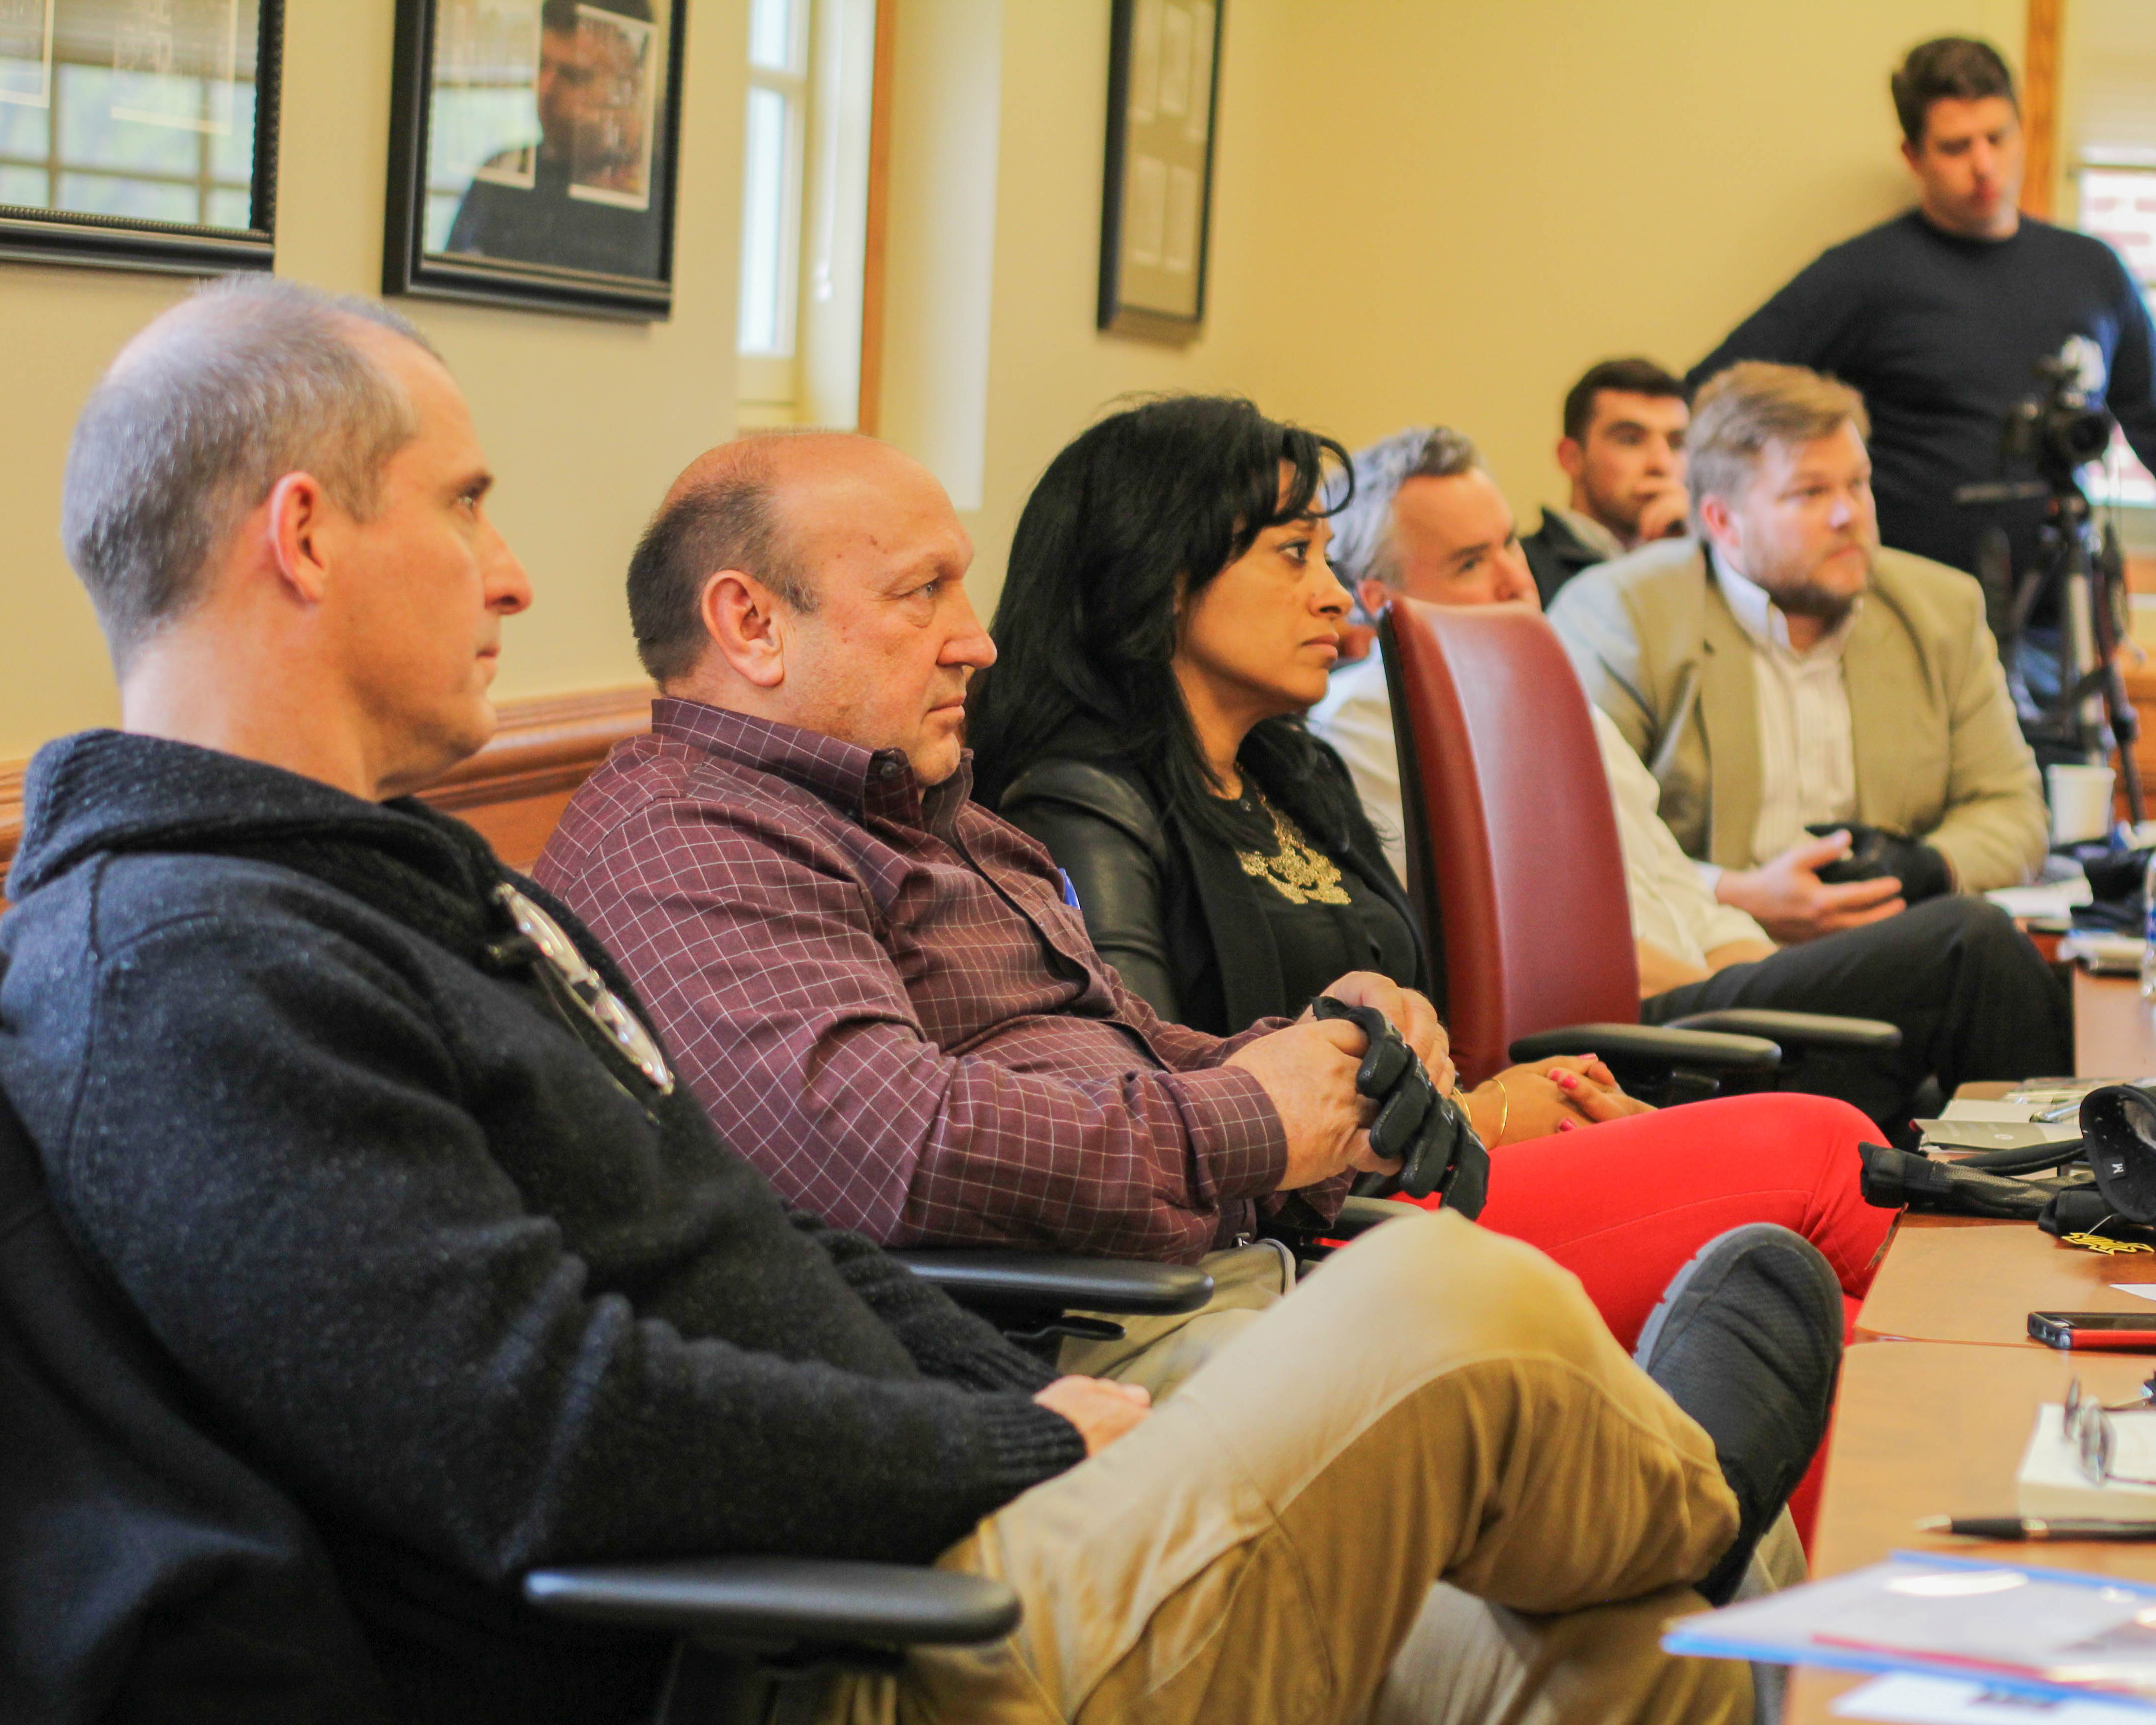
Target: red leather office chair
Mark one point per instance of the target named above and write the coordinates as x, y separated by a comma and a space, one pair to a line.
1515, 873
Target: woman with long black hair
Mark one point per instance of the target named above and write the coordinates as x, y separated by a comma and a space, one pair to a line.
1167, 617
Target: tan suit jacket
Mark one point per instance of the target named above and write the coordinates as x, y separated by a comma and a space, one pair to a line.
1939, 754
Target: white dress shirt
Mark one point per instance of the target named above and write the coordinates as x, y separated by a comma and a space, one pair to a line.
1807, 748
1671, 906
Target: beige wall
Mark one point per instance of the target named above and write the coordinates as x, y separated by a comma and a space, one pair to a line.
584, 419
1445, 210
1421, 209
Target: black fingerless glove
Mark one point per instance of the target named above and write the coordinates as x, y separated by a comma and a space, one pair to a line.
1875, 853
1428, 1134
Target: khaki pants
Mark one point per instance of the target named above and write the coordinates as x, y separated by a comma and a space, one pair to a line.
1438, 1403
1161, 1354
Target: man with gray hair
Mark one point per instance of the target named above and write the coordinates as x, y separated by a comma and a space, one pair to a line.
1972, 999
1787, 676
374, 1140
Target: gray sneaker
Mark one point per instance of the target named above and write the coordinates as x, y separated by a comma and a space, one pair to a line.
1748, 1341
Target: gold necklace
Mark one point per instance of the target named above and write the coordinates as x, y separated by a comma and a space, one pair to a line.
1297, 869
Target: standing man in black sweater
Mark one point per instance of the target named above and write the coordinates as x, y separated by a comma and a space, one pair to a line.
1940, 315
376, 1142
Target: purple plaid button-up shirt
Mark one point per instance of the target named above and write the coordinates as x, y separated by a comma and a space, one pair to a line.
880, 995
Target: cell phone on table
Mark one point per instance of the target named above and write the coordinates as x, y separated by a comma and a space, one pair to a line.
2124, 1332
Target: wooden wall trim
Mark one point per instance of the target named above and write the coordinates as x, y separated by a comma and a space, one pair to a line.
2040, 106
544, 749
876, 238
546, 744
11, 815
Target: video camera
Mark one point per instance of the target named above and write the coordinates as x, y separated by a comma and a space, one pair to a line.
2055, 429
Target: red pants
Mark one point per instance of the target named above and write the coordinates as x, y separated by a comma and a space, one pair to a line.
1623, 1205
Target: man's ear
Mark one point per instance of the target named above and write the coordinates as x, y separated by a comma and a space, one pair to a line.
1571, 457
1912, 154
1372, 595
741, 616
293, 535
1719, 524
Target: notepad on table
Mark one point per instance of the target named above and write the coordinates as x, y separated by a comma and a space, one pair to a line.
2019, 1628
2053, 1485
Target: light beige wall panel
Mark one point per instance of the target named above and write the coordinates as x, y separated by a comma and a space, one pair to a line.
1050, 372
1423, 209
941, 279
1503, 193
586, 420
59, 328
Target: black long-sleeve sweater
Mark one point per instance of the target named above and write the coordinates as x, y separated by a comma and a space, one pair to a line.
1940, 335
473, 1291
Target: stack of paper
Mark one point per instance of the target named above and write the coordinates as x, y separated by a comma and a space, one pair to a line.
2105, 952
2020, 1630
2051, 902
1906, 1700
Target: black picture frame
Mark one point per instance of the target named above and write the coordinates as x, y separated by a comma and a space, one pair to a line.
32, 234
408, 268
1157, 197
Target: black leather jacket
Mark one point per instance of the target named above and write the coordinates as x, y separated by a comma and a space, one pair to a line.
1165, 906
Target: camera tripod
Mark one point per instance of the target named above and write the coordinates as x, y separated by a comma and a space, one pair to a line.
2079, 568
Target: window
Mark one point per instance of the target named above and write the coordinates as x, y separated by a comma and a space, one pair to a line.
2119, 205
771, 198
189, 158
805, 203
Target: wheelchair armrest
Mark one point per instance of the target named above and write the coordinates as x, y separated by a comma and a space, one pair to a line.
1654, 1045
991, 1276
773, 1604
1359, 1215
1795, 1030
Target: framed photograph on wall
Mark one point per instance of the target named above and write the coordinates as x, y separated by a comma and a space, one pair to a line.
531, 153
1157, 209
139, 134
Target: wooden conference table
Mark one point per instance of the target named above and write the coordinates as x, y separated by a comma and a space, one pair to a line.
1935, 1409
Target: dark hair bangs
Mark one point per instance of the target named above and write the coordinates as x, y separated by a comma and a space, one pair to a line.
1142, 510
1267, 504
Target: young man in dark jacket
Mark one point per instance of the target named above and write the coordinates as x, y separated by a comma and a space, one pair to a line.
373, 1138
1940, 315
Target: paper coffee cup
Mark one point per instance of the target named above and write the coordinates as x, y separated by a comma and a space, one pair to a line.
2080, 804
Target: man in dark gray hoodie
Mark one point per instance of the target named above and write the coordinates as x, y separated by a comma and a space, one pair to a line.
379, 1145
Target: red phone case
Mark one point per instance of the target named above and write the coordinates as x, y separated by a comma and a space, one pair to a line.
2067, 1335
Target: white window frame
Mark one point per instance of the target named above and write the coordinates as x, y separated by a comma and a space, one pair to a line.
770, 377
830, 92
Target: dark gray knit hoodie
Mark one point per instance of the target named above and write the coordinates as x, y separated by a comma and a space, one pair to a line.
464, 1284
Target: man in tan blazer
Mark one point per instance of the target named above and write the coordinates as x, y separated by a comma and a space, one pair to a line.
1783, 673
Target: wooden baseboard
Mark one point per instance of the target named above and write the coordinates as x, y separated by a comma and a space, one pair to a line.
513, 790
11, 816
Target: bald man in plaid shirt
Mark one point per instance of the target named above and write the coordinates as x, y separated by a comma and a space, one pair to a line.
878, 988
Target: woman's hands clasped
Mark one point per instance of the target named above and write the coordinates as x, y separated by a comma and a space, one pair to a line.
1307, 1070
1547, 1097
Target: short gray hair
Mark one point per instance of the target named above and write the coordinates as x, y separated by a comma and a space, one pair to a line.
250, 379
1362, 531
1737, 412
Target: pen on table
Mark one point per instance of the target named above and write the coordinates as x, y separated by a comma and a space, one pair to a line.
2036, 1528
